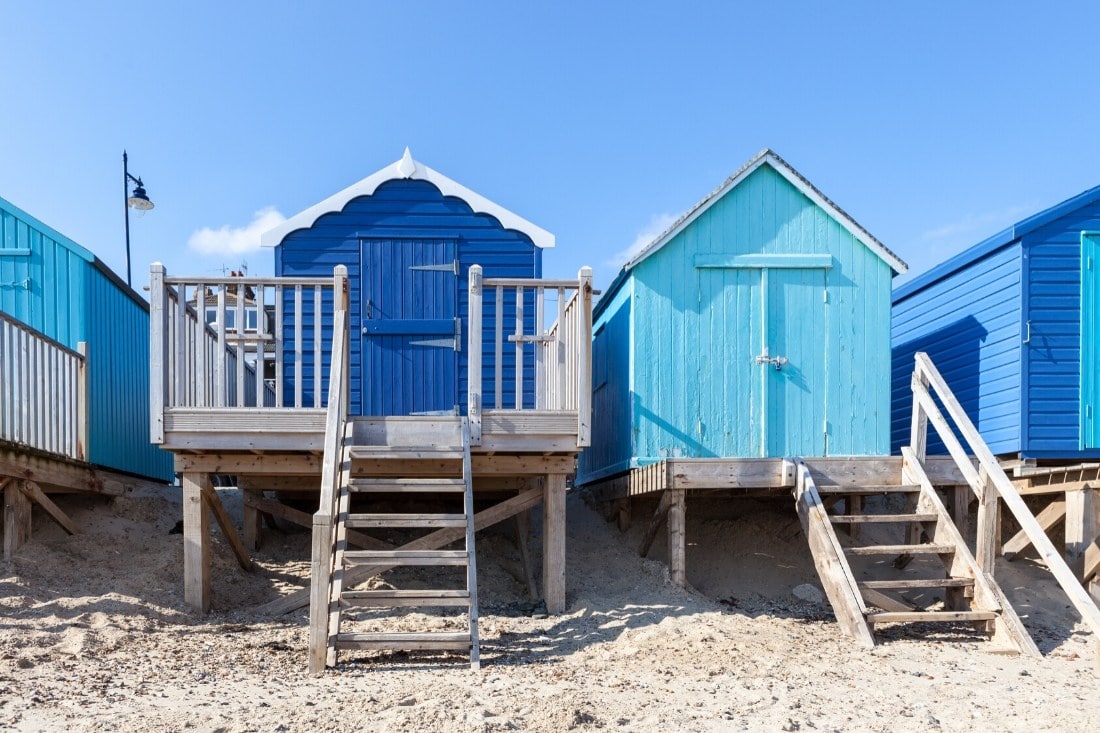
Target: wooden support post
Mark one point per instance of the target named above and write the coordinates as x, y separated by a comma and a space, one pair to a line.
17, 519
1082, 523
623, 507
1047, 519
853, 505
677, 537
523, 532
253, 532
553, 542
989, 520
196, 543
475, 399
960, 509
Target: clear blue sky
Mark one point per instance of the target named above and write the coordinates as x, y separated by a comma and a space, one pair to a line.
932, 124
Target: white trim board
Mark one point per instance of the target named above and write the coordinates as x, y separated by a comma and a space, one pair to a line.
781, 167
407, 168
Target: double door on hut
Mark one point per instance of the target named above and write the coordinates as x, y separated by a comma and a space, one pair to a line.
766, 323
412, 331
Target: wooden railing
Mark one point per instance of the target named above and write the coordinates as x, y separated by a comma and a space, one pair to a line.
43, 391
212, 340
562, 353
334, 492
988, 482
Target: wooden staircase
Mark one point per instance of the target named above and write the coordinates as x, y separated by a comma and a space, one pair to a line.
922, 572
395, 468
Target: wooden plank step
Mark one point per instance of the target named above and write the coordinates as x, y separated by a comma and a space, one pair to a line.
407, 485
857, 490
925, 549
406, 520
903, 583
394, 598
405, 453
413, 640
870, 518
904, 617
406, 558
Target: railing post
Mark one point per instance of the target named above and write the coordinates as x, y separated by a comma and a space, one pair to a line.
989, 521
584, 358
340, 304
82, 392
158, 348
473, 403
918, 429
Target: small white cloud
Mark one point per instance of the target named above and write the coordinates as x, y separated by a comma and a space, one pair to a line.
657, 226
236, 240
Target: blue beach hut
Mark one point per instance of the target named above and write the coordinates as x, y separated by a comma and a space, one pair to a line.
54, 296
408, 236
1011, 323
758, 325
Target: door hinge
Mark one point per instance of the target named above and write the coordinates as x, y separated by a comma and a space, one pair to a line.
451, 268
825, 296
825, 426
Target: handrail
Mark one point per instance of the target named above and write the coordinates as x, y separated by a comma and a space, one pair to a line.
44, 398
332, 470
988, 484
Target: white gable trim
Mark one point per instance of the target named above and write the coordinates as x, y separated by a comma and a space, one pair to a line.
407, 168
804, 186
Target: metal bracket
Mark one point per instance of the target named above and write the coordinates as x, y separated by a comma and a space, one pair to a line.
776, 361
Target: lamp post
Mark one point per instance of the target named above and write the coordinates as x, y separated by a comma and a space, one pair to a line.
137, 200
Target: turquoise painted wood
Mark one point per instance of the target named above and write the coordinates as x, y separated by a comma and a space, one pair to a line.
61, 289
1090, 340
762, 272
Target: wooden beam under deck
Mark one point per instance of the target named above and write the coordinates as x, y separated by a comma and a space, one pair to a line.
56, 473
309, 464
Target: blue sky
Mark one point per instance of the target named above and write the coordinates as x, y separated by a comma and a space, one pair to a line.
932, 124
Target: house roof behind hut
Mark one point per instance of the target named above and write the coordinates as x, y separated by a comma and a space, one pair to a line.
407, 168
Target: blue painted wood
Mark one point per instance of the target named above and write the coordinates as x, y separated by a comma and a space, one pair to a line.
412, 209
681, 330
64, 291
1007, 325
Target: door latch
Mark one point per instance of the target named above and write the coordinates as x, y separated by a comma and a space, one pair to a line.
776, 361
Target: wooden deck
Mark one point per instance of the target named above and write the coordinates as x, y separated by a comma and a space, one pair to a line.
217, 411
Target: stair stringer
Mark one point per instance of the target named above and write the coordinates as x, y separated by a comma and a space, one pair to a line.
471, 566
832, 566
1007, 627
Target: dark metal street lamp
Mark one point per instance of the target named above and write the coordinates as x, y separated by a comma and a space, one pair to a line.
137, 200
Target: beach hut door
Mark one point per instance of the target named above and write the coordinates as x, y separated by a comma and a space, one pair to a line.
792, 362
411, 331
1090, 340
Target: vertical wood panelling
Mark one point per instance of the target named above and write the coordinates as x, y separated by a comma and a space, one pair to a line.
691, 385
412, 209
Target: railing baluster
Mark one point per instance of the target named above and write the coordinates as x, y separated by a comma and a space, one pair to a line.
241, 326
261, 331
180, 381
540, 349
221, 361
200, 346
317, 371
519, 347
559, 352
297, 345
498, 374
279, 346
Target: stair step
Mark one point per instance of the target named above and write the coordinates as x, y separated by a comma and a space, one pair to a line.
902, 617
925, 549
869, 518
394, 598
901, 584
406, 558
362, 521
856, 490
405, 452
416, 640
407, 485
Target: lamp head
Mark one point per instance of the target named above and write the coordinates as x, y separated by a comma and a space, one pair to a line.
139, 199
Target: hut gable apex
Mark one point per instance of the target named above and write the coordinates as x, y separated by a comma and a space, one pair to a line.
780, 166
407, 168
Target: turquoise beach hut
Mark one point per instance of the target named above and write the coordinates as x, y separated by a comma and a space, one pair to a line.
758, 325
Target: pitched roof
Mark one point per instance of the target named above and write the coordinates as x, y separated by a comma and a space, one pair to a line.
407, 168
995, 242
768, 157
